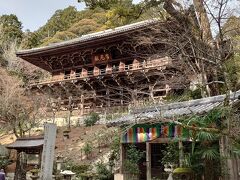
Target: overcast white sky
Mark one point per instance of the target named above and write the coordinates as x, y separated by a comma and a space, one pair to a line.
35, 13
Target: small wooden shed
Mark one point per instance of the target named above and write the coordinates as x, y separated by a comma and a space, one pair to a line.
28, 145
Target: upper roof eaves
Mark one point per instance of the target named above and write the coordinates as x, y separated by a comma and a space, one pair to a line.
89, 37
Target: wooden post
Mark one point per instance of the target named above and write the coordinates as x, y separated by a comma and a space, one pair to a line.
121, 93
148, 161
122, 156
39, 158
108, 98
134, 97
151, 97
82, 106
69, 111
94, 100
69, 118
181, 156
167, 89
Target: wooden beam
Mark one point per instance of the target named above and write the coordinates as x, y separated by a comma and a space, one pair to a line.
148, 161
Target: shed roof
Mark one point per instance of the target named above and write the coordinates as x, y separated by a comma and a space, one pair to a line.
172, 110
25, 143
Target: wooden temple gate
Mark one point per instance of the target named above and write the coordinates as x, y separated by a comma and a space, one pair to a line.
104, 70
151, 138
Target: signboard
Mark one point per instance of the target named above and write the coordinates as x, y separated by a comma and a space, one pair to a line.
104, 57
50, 130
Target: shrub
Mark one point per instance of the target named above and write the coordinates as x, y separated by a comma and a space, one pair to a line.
171, 154
87, 148
103, 171
4, 161
115, 151
76, 168
91, 119
133, 157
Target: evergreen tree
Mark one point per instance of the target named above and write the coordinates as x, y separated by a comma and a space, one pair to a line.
11, 28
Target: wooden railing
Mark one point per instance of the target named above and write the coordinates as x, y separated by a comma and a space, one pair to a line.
107, 71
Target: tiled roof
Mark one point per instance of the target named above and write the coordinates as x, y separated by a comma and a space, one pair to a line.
91, 36
177, 109
22, 143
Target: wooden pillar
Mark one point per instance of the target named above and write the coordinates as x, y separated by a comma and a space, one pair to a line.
70, 109
121, 93
82, 105
40, 159
122, 157
148, 161
94, 100
150, 93
69, 118
108, 97
167, 87
134, 97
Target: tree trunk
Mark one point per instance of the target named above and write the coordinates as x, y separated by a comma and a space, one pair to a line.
69, 118
224, 152
181, 154
203, 20
209, 172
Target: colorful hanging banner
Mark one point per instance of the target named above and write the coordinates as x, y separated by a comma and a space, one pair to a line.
144, 132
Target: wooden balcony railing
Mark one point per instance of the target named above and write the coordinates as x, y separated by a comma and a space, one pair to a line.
107, 71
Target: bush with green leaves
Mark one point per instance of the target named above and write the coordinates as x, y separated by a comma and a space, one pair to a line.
4, 161
91, 119
87, 148
204, 157
171, 154
115, 152
76, 168
133, 157
103, 171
